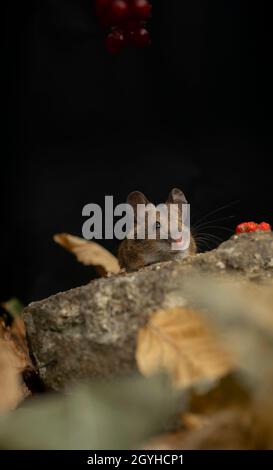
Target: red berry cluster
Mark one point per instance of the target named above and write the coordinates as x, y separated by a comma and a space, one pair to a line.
126, 20
246, 227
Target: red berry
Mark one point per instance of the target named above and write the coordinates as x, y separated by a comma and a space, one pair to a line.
131, 24
114, 41
119, 11
251, 226
240, 228
140, 37
264, 226
246, 227
142, 9
129, 28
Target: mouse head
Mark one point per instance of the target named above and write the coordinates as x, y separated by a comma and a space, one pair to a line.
154, 226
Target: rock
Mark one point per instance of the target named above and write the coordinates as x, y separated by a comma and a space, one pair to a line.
91, 331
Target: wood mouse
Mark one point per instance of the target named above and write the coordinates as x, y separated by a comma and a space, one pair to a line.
134, 254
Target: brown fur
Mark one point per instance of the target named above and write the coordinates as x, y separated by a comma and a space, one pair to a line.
134, 254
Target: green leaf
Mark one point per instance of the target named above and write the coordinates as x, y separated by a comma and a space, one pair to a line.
13, 306
116, 414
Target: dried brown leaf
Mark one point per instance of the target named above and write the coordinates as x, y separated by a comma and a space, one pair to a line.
178, 341
242, 313
226, 430
89, 253
13, 360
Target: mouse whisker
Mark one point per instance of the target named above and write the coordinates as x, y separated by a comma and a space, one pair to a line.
230, 204
197, 225
218, 227
210, 236
203, 243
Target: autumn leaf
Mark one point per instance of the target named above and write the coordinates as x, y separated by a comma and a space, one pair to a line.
241, 312
10, 386
178, 341
13, 306
13, 360
17, 331
89, 253
225, 430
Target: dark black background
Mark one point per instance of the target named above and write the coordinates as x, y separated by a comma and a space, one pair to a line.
194, 111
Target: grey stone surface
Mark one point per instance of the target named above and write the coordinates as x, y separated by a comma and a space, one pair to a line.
91, 331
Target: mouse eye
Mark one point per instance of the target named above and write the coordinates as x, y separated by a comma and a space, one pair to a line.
157, 225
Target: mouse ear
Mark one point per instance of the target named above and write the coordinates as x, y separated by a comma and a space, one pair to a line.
177, 196
135, 198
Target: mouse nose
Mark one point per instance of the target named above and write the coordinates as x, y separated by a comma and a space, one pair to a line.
178, 240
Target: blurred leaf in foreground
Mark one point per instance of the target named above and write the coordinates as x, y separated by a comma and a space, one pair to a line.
14, 357
13, 306
12, 363
243, 314
118, 414
16, 332
177, 340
